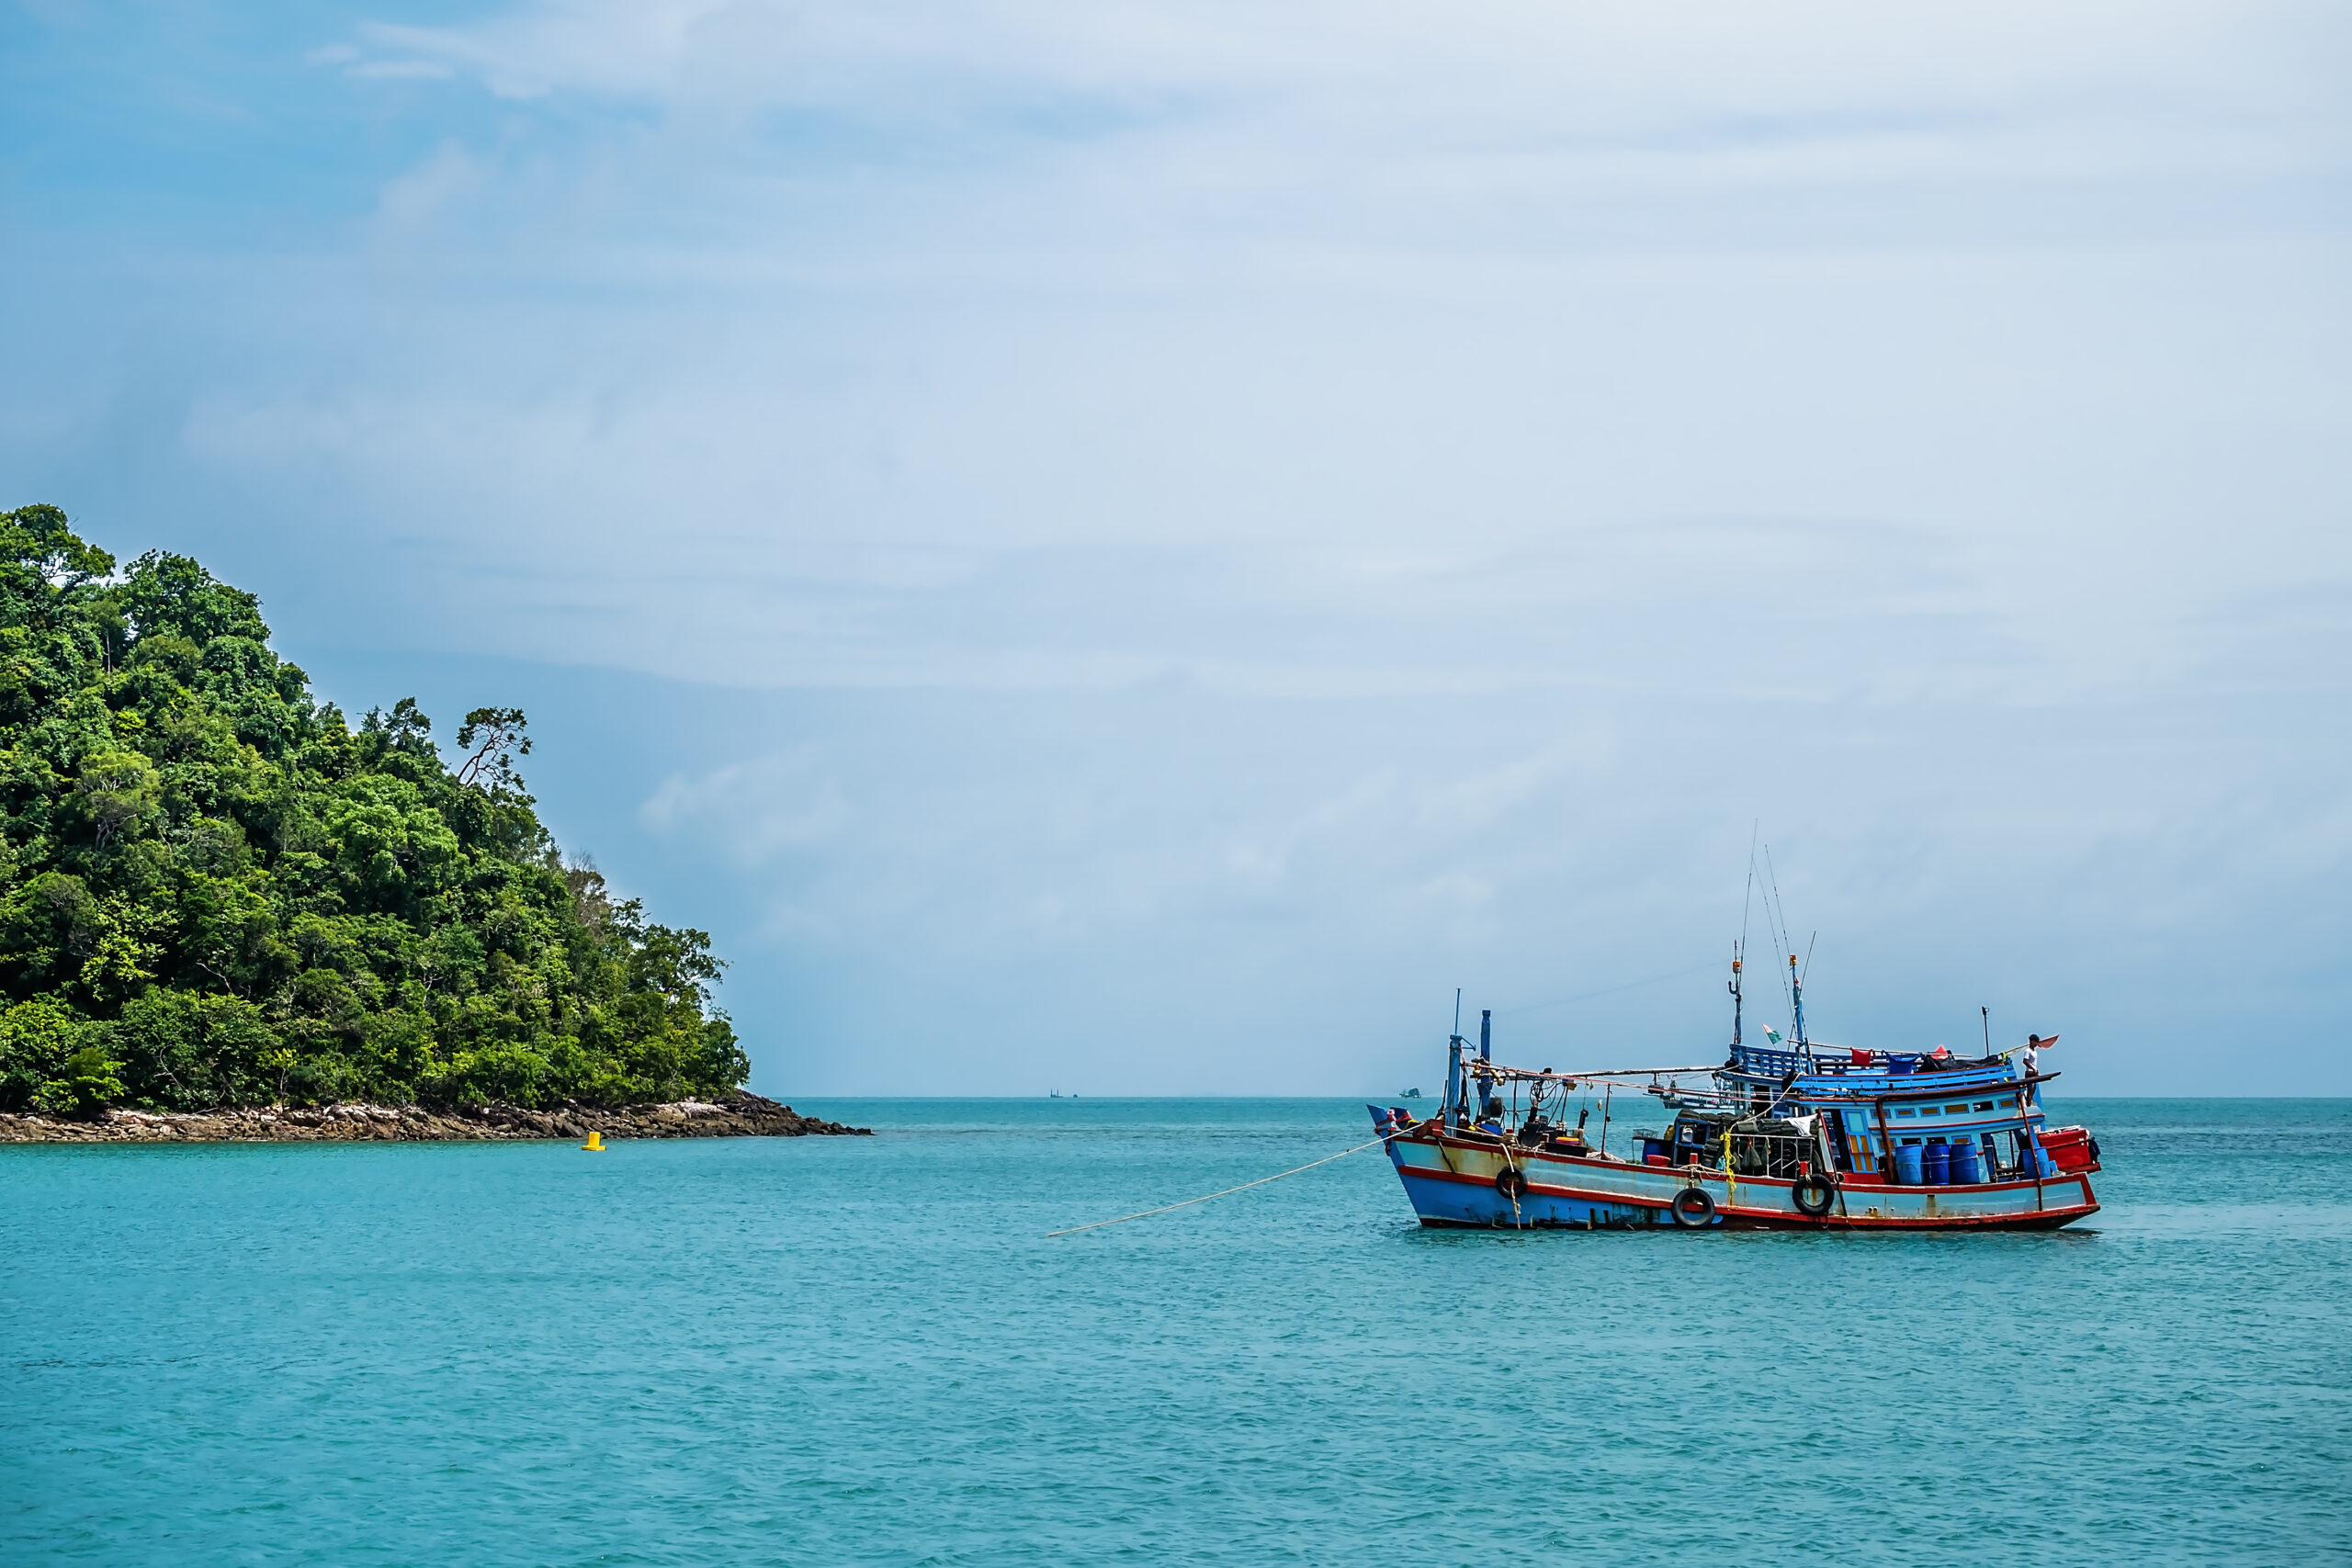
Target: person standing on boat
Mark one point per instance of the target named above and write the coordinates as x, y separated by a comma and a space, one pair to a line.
2032, 1069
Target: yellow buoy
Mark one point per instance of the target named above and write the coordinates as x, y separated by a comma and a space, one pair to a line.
595, 1141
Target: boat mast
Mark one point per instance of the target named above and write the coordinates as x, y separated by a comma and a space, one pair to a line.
1797, 1001
1485, 1055
1449, 1111
1735, 996
1739, 948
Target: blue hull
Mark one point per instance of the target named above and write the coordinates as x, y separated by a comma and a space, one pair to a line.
1455, 1203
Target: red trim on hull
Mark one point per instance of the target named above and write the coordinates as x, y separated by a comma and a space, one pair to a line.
2048, 1220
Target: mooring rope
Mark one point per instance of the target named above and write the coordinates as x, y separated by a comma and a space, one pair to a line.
1204, 1197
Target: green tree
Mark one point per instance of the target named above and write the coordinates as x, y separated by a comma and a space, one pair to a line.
214, 890
118, 794
492, 738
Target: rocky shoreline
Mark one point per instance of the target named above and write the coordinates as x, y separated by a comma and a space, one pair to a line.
733, 1116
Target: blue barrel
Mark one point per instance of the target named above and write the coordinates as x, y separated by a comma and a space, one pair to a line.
1934, 1165
1967, 1165
2037, 1159
1906, 1166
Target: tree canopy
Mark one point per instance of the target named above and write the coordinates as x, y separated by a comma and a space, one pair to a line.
215, 891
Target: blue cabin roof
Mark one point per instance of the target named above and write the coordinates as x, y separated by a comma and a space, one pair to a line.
1834, 1070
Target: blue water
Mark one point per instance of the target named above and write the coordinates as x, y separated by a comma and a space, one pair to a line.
866, 1350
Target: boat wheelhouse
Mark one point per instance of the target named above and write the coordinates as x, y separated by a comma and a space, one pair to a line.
1796, 1136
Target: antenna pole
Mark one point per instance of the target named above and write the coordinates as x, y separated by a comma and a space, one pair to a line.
1988, 1028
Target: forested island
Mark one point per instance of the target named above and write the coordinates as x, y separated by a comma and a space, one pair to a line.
221, 893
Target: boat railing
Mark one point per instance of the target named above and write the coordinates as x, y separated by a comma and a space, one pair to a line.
1840, 1062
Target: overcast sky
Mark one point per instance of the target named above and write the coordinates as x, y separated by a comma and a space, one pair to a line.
1133, 548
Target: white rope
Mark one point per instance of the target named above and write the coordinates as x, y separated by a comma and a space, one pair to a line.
1188, 1202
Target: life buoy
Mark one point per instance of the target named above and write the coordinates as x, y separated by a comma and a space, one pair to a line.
1813, 1194
1511, 1183
1692, 1206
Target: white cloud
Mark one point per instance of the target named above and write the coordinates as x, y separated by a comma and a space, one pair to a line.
1251, 511
753, 811
448, 176
1683, 77
401, 71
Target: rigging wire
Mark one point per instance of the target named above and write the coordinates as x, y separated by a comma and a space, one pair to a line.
1204, 1197
1607, 991
1748, 899
1779, 912
1739, 952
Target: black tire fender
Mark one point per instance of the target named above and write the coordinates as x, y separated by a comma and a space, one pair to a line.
1813, 1194
1692, 1206
1511, 1183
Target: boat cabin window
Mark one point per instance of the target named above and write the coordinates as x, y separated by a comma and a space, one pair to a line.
1903, 1111
1931, 1111
1984, 1105
1959, 1109
1910, 1140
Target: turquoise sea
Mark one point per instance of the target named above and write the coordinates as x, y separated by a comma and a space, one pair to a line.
866, 1351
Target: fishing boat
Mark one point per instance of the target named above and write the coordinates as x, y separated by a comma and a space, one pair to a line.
1791, 1134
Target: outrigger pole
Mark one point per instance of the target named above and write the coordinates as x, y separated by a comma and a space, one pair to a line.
1594, 1075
